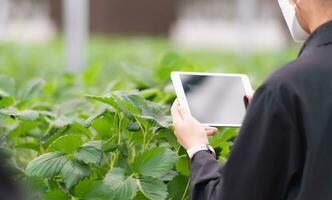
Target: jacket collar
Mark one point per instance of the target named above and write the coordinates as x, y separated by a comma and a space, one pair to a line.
320, 37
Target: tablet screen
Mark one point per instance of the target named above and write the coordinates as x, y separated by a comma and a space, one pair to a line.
215, 99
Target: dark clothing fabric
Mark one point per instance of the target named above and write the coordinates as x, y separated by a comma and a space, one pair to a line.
284, 148
8, 188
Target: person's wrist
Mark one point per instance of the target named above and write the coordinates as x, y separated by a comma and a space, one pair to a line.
200, 147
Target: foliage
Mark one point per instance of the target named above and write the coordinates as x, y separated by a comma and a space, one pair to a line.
68, 137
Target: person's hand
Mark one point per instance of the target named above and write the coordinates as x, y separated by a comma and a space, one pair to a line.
210, 131
250, 96
189, 131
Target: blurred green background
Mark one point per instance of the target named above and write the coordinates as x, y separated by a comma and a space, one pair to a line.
125, 59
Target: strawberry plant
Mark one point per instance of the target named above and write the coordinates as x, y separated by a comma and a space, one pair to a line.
64, 144
122, 149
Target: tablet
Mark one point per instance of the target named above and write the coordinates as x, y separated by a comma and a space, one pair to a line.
214, 99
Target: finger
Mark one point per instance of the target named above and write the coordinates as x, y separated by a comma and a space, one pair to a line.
211, 131
206, 127
176, 117
183, 112
250, 96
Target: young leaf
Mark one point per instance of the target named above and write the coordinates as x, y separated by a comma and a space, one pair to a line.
152, 188
66, 144
125, 187
32, 88
47, 165
156, 162
74, 171
89, 153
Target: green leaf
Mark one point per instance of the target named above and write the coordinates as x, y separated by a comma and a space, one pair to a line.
110, 147
73, 171
47, 165
223, 135
177, 187
83, 187
32, 146
133, 126
152, 188
70, 107
169, 176
26, 115
170, 62
5, 100
104, 125
136, 107
150, 93
66, 144
32, 88
93, 190
62, 121
90, 73
90, 153
97, 115
105, 99
124, 186
156, 162
74, 124
56, 195
182, 166
79, 127
7, 86
35, 185
22, 129
140, 196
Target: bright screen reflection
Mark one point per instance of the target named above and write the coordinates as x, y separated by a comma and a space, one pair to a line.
215, 99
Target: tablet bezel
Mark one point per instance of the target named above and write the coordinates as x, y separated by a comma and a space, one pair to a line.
179, 90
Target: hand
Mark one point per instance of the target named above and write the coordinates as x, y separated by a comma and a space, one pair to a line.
188, 131
210, 131
250, 96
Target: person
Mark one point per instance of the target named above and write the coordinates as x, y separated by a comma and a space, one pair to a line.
284, 147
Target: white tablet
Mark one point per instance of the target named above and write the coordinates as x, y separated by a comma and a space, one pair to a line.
213, 99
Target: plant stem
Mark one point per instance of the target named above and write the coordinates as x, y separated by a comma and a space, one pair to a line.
185, 191
119, 129
144, 132
144, 140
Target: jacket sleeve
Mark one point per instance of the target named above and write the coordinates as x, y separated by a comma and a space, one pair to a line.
264, 160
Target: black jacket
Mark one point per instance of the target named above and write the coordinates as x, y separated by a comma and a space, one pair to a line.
284, 148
